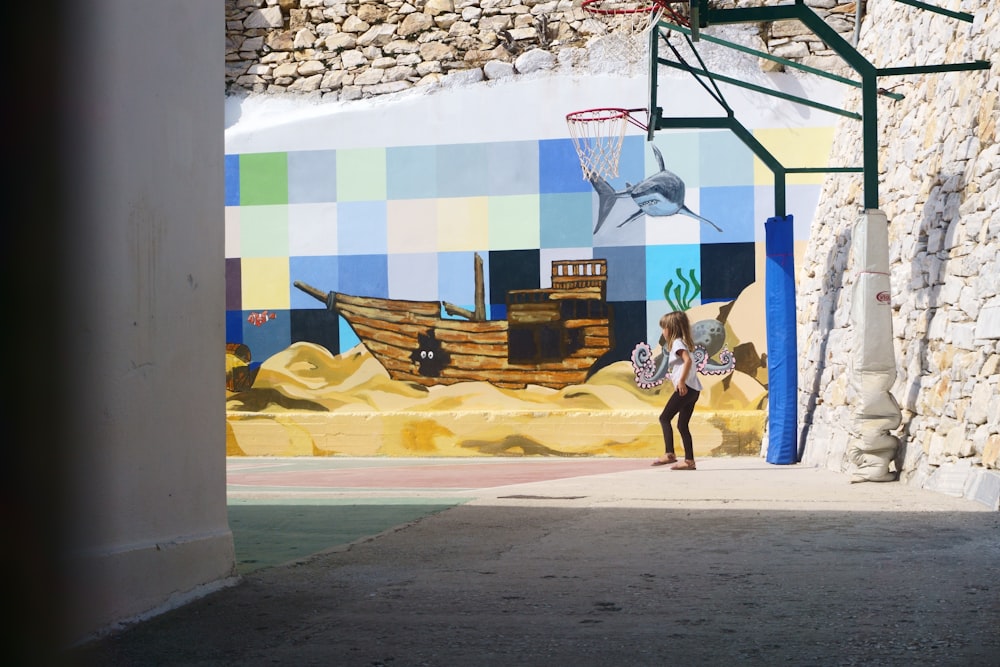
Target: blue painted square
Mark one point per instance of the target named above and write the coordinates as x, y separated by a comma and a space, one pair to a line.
662, 280
364, 275
232, 170
234, 326
348, 339
626, 272
632, 163
269, 338
559, 168
725, 160
462, 170
312, 177
732, 209
362, 227
411, 172
318, 271
457, 277
512, 168
566, 219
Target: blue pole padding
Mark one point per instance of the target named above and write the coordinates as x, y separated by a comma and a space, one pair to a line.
782, 347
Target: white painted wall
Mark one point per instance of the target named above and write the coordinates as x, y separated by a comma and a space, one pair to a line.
526, 107
144, 296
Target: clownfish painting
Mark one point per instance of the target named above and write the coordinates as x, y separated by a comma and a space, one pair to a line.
261, 318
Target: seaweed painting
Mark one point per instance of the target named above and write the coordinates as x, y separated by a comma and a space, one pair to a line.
681, 298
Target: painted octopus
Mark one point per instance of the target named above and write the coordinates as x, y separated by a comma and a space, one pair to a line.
709, 338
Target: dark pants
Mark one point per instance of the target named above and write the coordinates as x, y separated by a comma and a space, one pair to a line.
682, 407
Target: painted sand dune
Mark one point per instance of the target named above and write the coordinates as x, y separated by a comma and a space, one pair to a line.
308, 402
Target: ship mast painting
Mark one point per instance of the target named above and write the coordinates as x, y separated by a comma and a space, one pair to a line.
552, 337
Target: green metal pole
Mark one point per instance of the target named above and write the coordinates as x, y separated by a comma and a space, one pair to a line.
869, 130
869, 98
654, 110
934, 69
961, 16
784, 62
761, 89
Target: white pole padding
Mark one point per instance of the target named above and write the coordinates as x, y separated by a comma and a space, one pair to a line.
873, 367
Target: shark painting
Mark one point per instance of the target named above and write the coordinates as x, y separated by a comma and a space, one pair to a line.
661, 194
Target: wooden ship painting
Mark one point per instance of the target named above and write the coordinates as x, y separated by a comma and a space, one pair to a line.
552, 337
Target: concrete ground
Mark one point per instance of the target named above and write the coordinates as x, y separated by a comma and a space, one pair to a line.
510, 561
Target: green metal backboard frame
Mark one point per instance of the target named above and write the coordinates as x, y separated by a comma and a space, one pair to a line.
702, 16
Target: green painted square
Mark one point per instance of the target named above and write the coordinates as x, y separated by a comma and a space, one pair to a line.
264, 231
263, 179
514, 222
361, 174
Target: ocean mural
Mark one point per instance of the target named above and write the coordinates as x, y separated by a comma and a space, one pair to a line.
481, 298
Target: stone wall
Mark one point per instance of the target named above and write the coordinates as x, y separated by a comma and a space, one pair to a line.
939, 185
351, 49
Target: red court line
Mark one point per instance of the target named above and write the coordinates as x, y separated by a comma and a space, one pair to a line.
462, 476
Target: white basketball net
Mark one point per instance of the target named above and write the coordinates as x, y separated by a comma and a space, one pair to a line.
597, 135
628, 25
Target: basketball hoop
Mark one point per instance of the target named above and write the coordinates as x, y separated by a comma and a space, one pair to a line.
628, 23
598, 135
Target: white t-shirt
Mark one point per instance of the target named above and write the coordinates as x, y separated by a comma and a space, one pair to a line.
676, 365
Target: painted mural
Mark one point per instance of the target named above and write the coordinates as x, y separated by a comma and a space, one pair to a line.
551, 337
483, 299
661, 195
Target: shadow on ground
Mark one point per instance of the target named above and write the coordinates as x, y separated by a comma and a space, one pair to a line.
520, 585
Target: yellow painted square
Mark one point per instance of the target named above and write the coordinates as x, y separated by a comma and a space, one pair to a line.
463, 224
266, 282
795, 147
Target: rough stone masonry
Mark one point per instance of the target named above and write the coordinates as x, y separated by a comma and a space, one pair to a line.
349, 50
939, 184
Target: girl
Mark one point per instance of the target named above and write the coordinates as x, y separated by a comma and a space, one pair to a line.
687, 388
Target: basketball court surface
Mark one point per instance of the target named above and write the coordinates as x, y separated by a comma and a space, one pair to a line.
285, 509
588, 562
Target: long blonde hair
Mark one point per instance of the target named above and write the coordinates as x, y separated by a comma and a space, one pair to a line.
676, 325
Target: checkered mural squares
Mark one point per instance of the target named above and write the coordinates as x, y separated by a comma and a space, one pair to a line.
312, 177
726, 269
234, 284
321, 327
510, 270
265, 332
629, 328
626, 272
364, 275
232, 179
673, 275
406, 223
263, 179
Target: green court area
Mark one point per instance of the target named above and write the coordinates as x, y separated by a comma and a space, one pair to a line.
275, 531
